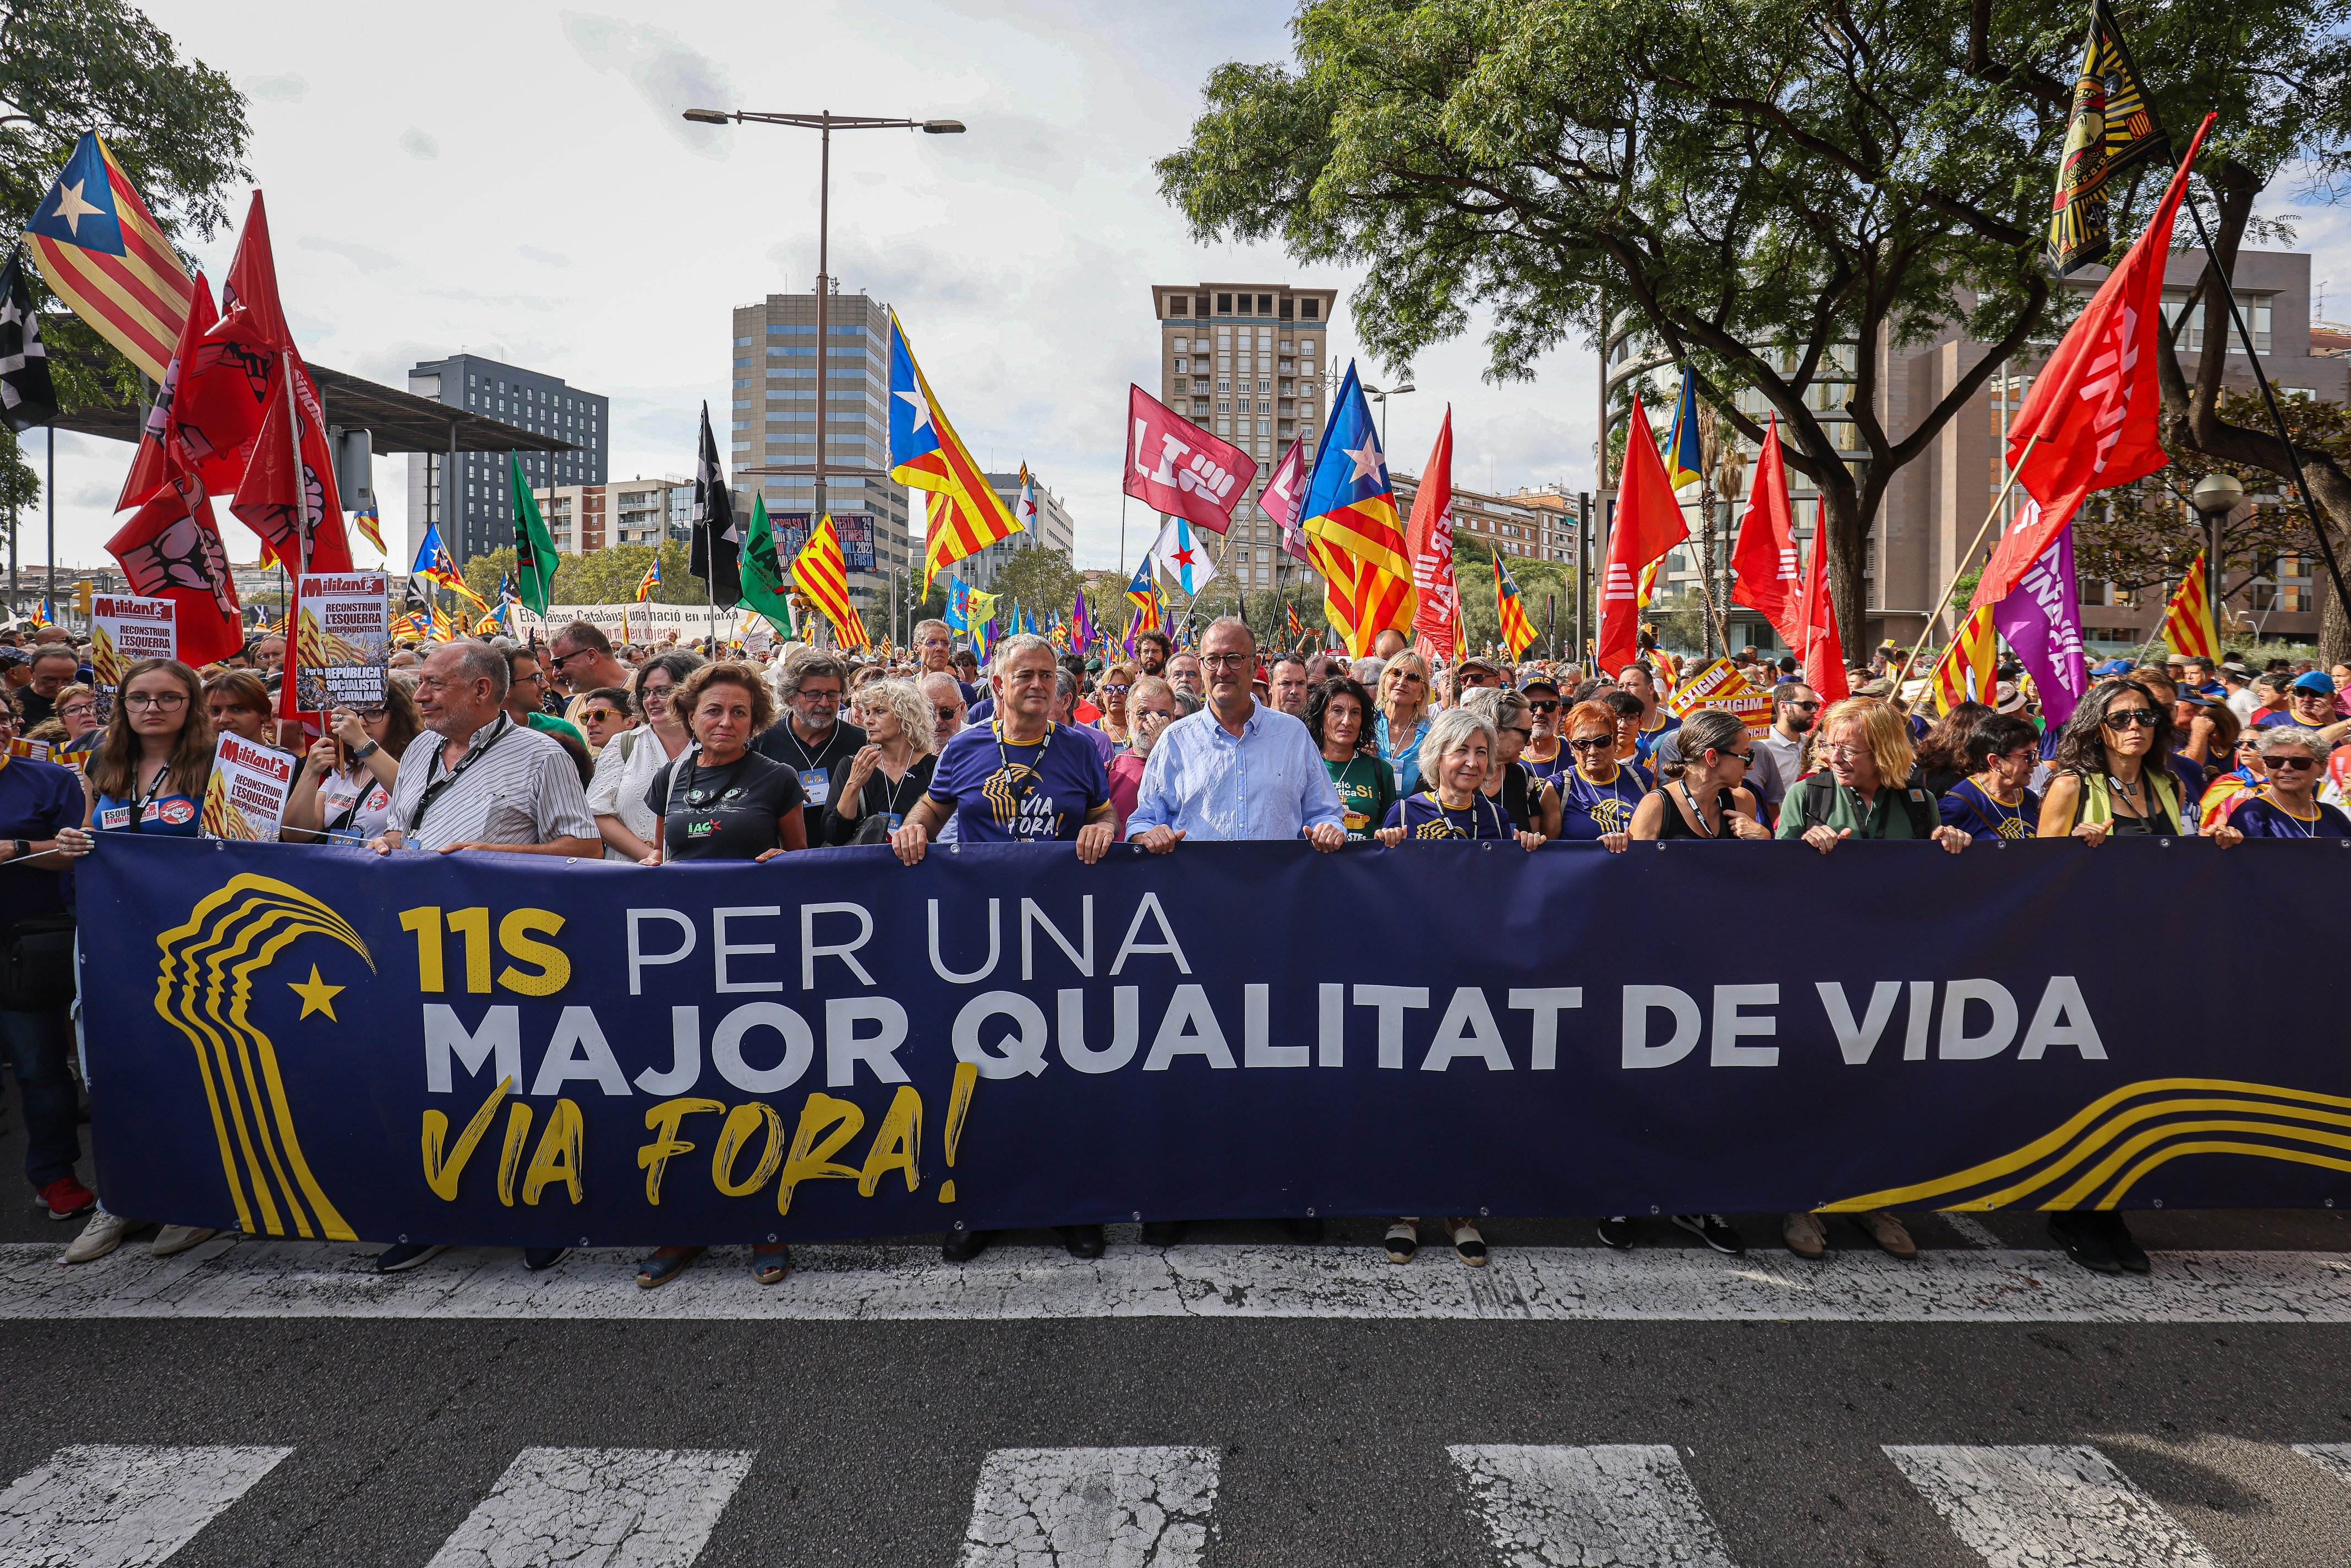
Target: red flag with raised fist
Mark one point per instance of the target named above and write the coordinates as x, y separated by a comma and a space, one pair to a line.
1820, 647
1770, 580
1649, 522
172, 548
1175, 467
2091, 421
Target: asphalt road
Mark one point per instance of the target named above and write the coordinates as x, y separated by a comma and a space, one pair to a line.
605, 1426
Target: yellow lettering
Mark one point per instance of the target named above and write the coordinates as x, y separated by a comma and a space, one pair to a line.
661, 1121
556, 1159
510, 1156
426, 923
898, 1146
516, 936
441, 1172
740, 1123
826, 1125
473, 926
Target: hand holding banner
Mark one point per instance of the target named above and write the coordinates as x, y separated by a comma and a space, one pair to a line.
1175, 467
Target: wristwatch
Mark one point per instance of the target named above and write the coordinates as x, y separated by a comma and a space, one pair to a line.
19, 848
361, 753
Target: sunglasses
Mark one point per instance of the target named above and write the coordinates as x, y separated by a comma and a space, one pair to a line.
948, 712
1807, 706
1544, 708
2292, 763
1593, 743
2131, 718
1116, 691
1744, 758
600, 716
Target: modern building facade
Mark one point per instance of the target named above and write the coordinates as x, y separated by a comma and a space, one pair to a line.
1248, 362
470, 494
639, 511
775, 354
1052, 529
1531, 525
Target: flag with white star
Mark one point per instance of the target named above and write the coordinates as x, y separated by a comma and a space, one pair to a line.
104, 254
926, 454
27, 397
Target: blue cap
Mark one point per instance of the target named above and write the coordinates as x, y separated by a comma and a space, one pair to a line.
2113, 667
2315, 681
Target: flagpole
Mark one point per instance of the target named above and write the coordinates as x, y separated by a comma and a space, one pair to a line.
50, 501
1121, 532
1910, 657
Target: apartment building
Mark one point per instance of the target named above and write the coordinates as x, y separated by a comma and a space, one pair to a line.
1533, 524
1248, 362
1051, 528
476, 513
639, 511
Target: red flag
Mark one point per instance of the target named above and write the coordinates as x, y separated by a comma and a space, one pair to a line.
1818, 646
294, 508
164, 453
250, 313
1770, 578
172, 548
1285, 494
1428, 543
2090, 421
1175, 467
226, 383
1649, 522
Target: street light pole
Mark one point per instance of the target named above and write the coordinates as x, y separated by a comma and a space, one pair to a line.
1381, 398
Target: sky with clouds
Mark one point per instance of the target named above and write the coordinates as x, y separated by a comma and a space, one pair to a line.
514, 179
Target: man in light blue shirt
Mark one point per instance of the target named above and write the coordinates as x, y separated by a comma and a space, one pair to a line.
1237, 770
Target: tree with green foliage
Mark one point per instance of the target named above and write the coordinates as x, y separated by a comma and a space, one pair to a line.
1779, 193
1038, 581
607, 576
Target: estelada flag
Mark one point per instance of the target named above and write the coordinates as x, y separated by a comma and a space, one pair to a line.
822, 578
102, 252
1354, 536
926, 454
1517, 631
1649, 522
1771, 577
2188, 619
2091, 421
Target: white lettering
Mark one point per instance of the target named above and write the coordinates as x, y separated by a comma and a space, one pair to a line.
1922, 1009
1081, 956
1015, 1053
1467, 1029
498, 1038
722, 950
1331, 1047
1547, 1002
1729, 1024
639, 958
727, 1047
811, 950
1958, 1045
1130, 947
1639, 1000
685, 1056
938, 964
1391, 1001
1257, 1049
1858, 1041
845, 1048
1126, 1036
578, 1054
1189, 1029
2061, 1018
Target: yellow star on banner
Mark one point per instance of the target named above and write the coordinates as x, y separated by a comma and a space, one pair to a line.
318, 996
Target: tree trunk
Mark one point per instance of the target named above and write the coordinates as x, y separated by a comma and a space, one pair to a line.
1846, 533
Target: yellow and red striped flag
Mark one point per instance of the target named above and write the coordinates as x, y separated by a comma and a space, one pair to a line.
2187, 620
1964, 673
926, 454
822, 578
1517, 630
1354, 536
105, 255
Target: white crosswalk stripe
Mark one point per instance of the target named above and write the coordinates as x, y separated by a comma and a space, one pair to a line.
598, 1508
855, 1282
1092, 1508
1626, 1505
122, 1506
2333, 1458
2048, 1507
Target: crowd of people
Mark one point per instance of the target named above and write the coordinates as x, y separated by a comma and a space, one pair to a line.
662, 754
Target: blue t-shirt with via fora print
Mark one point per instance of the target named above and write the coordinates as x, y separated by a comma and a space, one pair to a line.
1004, 793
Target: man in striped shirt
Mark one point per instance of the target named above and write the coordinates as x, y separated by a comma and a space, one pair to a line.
475, 780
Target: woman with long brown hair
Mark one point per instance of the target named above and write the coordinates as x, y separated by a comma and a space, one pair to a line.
343, 793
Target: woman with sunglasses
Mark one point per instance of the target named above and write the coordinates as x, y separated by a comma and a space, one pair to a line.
1993, 801
2286, 805
148, 776
1402, 724
633, 758
1531, 803
1942, 761
1150, 710
1114, 688
891, 770
343, 793
723, 801
2110, 774
1338, 713
1708, 798
1600, 791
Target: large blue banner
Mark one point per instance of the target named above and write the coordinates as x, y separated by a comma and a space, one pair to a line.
483, 1048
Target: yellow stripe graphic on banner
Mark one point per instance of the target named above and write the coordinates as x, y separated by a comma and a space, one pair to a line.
203, 987
2106, 1149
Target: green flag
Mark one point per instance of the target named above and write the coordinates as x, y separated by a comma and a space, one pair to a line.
535, 556
763, 575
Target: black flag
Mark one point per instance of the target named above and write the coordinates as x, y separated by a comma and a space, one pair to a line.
27, 397
717, 539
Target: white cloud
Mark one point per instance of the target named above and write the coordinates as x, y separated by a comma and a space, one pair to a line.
544, 258
365, 258
666, 72
419, 145
287, 88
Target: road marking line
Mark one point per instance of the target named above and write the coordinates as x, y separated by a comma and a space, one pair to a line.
2048, 1507
587, 1508
1092, 1508
1630, 1505
2333, 1458
108, 1505
899, 1283
1971, 1229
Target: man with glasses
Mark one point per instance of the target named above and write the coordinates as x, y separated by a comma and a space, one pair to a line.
2310, 705
1476, 672
1795, 707
579, 659
53, 670
604, 713
935, 646
526, 690
945, 695
1546, 757
811, 740
1183, 674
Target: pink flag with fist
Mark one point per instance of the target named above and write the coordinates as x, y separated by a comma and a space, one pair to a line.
1175, 467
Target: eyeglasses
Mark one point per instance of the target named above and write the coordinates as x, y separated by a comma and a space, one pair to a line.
1514, 730
2131, 718
945, 714
600, 716
2249, 746
1226, 661
1543, 708
1807, 706
560, 660
1593, 743
2292, 763
166, 701
1113, 691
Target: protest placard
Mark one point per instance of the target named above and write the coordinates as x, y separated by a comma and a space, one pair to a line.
246, 797
342, 640
125, 628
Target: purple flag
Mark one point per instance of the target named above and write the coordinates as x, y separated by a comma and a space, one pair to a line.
1081, 624
2041, 619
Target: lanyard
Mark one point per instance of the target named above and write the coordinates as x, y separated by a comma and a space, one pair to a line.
139, 803
1437, 806
1017, 793
807, 758
436, 787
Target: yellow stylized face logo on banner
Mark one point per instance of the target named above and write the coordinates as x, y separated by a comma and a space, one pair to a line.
203, 990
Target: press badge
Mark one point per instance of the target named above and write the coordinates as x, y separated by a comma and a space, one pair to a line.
816, 783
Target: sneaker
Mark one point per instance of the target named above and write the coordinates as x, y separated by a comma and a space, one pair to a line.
173, 1240
538, 1260
1714, 1230
1804, 1236
1402, 1241
1888, 1233
1165, 1232
406, 1256
2085, 1242
2115, 1231
1084, 1241
102, 1235
66, 1197
963, 1246
1469, 1246
1616, 1231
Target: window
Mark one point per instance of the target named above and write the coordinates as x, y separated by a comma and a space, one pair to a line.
1306, 348
1224, 337
1265, 427
1224, 308
1308, 311
1183, 366
1265, 304
1248, 304
1178, 304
